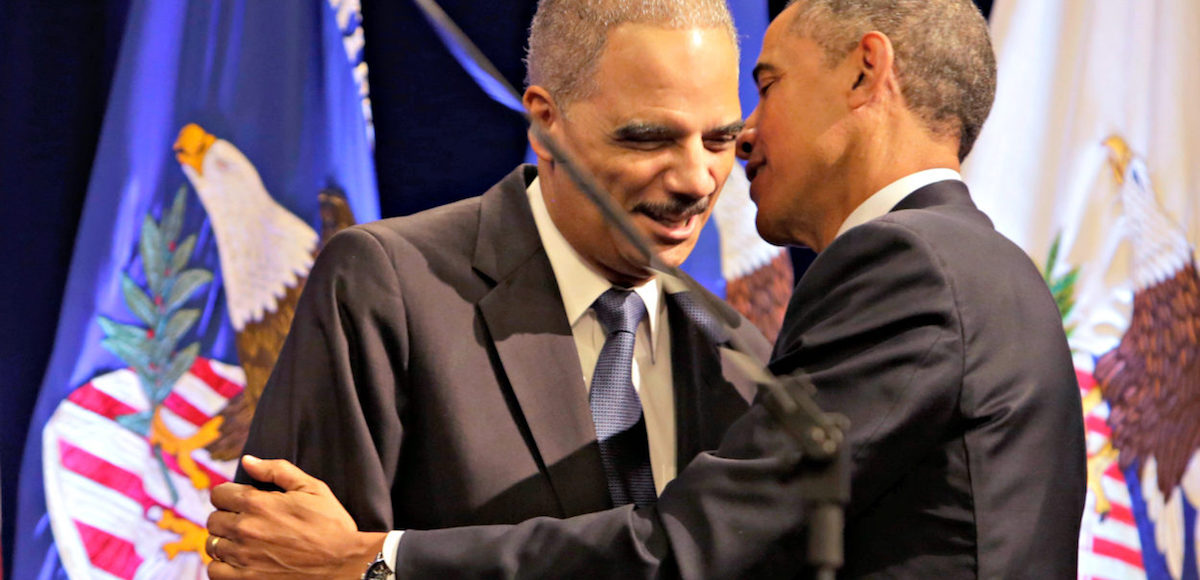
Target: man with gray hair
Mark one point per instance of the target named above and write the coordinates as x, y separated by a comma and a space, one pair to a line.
933, 333
511, 356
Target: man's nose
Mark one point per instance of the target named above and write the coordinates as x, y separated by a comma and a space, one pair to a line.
692, 174
745, 142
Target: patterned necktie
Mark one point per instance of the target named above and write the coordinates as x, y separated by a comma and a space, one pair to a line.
616, 408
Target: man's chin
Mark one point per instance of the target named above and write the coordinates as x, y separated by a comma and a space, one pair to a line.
673, 255
769, 233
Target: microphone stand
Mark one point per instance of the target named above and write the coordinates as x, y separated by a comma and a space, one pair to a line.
823, 461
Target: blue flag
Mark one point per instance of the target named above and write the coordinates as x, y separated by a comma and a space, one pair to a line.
236, 139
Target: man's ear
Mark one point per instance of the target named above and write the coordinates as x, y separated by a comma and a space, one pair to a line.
544, 111
872, 61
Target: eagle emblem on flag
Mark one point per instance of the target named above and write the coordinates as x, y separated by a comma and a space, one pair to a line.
1142, 399
131, 457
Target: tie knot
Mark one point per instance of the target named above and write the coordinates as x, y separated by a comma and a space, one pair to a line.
619, 310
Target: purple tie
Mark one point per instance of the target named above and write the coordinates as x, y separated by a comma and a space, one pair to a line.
616, 408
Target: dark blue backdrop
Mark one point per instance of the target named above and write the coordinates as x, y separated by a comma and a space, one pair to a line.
439, 138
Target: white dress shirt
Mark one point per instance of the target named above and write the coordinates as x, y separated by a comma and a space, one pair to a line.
885, 199
580, 286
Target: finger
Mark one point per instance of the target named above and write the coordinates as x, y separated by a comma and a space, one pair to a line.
223, 524
218, 570
210, 545
282, 473
230, 497
223, 550
230, 552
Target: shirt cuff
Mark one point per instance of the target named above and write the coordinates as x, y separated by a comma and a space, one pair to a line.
390, 545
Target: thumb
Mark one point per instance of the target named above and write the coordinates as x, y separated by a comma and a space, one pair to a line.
282, 473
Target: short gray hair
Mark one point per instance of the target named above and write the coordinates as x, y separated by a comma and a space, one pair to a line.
567, 37
944, 58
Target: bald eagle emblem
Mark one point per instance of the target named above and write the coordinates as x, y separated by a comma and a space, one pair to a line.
1142, 400
266, 253
131, 456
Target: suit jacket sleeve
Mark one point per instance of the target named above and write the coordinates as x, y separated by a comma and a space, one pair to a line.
877, 323
332, 405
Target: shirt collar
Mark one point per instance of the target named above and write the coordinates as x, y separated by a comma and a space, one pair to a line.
579, 283
885, 199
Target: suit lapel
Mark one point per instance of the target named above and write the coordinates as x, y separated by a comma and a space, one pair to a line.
536, 352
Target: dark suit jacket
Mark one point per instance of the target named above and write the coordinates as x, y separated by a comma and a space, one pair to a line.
940, 341
431, 378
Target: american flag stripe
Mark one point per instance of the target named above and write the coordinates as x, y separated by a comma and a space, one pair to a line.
1120, 491
123, 385
1121, 513
109, 484
103, 508
108, 397
185, 410
108, 552
1117, 551
203, 460
205, 371
82, 438
1118, 534
105, 473
200, 394
1085, 379
1096, 567
100, 402
1110, 548
99, 436
112, 510
1098, 425
120, 393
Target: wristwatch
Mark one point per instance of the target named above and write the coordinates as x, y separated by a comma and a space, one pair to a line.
379, 570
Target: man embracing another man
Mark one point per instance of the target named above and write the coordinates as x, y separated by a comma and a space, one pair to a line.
934, 334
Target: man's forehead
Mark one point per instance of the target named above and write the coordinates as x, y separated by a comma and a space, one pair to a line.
782, 49
641, 42
774, 39
635, 31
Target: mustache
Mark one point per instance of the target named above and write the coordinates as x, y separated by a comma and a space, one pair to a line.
676, 208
